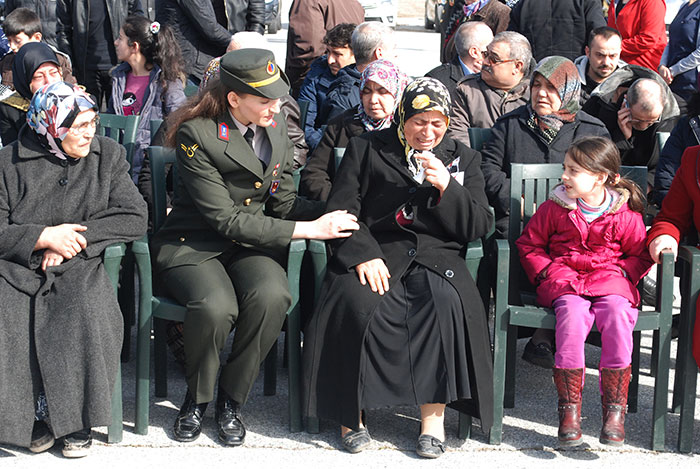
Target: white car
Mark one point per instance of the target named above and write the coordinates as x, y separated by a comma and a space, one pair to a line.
381, 10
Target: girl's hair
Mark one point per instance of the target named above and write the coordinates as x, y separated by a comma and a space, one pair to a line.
211, 102
158, 47
600, 155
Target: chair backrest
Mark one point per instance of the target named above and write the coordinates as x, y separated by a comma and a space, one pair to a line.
338, 153
530, 185
303, 111
155, 126
478, 136
122, 129
158, 158
191, 90
661, 138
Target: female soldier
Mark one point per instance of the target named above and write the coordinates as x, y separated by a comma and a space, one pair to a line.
220, 250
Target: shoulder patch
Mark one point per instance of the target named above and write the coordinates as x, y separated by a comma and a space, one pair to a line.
274, 124
189, 151
223, 132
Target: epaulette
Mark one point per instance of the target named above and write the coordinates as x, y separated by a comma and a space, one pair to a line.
17, 101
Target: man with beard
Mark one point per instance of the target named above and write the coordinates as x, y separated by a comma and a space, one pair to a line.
601, 60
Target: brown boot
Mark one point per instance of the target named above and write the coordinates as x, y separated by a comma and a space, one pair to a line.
615, 382
569, 382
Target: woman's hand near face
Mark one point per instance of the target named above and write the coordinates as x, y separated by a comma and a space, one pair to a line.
337, 224
666, 74
51, 259
64, 239
376, 273
435, 171
660, 244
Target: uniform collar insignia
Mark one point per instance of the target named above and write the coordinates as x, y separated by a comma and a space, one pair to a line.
223, 131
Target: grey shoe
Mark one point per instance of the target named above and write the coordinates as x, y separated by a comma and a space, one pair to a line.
356, 441
77, 444
42, 438
429, 447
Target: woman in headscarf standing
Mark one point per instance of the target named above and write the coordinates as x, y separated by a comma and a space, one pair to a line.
65, 195
381, 87
397, 324
540, 131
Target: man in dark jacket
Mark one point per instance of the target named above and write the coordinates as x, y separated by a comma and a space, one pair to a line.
371, 41
87, 35
471, 40
556, 27
634, 103
601, 60
309, 21
204, 28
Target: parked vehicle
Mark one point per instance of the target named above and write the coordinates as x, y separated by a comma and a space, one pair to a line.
273, 15
381, 10
433, 13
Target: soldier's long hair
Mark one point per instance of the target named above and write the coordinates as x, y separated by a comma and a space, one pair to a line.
210, 103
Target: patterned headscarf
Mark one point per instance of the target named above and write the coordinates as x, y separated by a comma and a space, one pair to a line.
472, 8
52, 111
421, 95
387, 75
563, 75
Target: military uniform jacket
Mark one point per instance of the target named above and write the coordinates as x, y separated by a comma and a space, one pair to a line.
224, 197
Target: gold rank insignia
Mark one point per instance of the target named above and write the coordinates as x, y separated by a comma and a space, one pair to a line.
189, 151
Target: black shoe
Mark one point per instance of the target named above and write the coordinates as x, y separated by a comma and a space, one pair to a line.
540, 355
429, 447
228, 420
77, 444
356, 441
42, 438
649, 291
188, 424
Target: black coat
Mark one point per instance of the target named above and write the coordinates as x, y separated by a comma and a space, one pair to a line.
200, 36
45, 10
513, 141
13, 115
72, 27
556, 27
448, 74
343, 94
318, 174
62, 327
374, 184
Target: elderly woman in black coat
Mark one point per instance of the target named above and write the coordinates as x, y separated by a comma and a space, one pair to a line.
65, 195
398, 324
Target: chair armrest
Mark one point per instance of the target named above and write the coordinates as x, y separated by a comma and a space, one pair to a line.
112, 260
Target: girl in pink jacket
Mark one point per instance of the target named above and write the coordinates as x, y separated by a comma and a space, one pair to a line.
584, 249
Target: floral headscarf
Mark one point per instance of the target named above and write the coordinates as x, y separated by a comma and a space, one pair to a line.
52, 111
387, 75
421, 95
563, 75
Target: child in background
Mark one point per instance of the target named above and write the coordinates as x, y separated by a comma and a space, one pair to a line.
584, 250
148, 81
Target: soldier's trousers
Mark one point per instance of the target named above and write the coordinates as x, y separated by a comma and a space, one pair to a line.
242, 289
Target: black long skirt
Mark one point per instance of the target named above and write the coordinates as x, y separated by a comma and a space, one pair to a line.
414, 345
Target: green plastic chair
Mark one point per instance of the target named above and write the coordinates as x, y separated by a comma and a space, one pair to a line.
122, 129
684, 390
661, 138
191, 90
160, 308
477, 137
303, 111
338, 153
530, 186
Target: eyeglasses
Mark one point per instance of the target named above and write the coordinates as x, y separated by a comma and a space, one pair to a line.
83, 128
644, 123
494, 60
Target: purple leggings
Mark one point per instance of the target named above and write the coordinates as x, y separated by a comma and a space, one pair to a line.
615, 318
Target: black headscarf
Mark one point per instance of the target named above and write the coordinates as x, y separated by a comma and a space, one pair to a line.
27, 60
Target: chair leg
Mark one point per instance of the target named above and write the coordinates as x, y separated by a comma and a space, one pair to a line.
161, 357
654, 352
633, 391
127, 297
511, 344
270, 381
116, 429
312, 425
464, 429
294, 367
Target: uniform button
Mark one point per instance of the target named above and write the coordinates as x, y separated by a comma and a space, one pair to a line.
44, 293
449, 274
258, 184
411, 252
63, 181
412, 190
182, 240
247, 202
64, 163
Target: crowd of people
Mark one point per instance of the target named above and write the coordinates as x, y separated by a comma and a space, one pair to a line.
386, 174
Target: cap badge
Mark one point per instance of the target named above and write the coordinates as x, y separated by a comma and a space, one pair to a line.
271, 69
